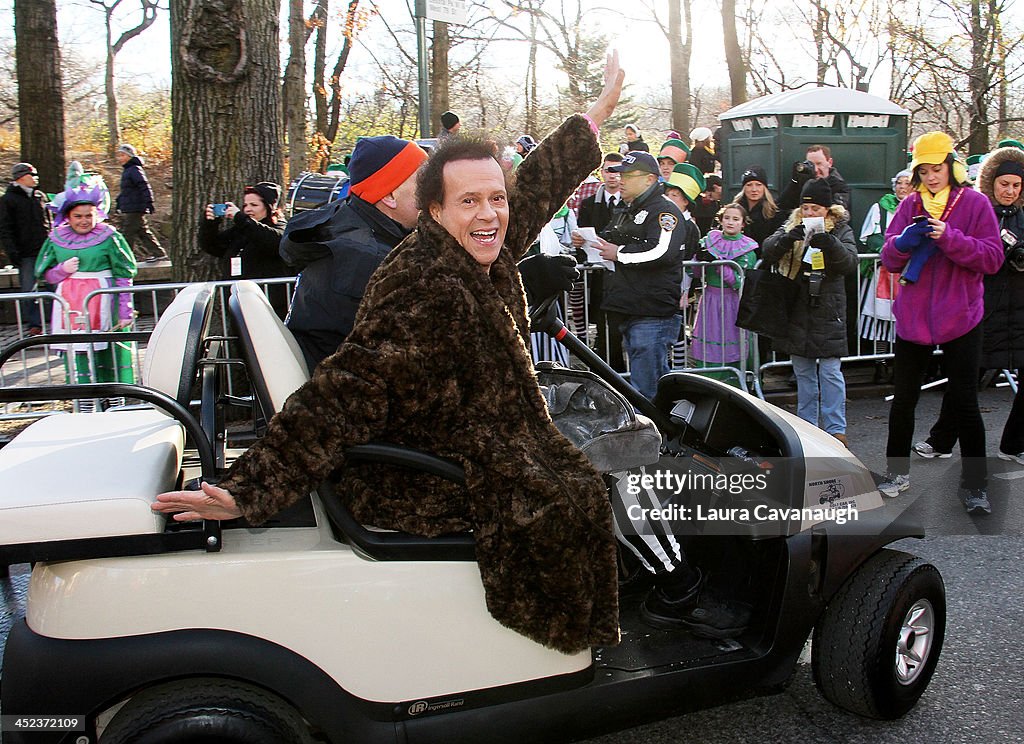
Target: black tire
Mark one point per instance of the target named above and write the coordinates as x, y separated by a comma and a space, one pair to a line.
864, 648
206, 710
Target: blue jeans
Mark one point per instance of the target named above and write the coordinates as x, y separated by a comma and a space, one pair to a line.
821, 381
648, 343
27, 280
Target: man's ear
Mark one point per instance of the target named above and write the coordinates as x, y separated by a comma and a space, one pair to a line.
435, 211
390, 201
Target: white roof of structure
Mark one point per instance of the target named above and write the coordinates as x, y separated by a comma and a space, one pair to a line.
813, 100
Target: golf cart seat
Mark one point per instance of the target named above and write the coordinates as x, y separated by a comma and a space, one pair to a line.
86, 475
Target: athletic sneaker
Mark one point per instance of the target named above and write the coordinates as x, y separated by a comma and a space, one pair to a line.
699, 612
1018, 458
894, 484
975, 500
928, 452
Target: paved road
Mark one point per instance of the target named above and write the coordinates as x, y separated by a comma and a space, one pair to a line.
977, 693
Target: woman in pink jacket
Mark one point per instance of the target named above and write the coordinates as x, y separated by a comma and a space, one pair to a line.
943, 238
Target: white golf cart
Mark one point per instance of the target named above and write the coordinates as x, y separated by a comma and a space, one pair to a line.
317, 628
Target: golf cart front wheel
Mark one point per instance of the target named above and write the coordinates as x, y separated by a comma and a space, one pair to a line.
206, 710
877, 643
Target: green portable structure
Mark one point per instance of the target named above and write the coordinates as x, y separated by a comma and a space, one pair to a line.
866, 134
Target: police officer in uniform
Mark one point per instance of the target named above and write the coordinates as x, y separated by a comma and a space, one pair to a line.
646, 243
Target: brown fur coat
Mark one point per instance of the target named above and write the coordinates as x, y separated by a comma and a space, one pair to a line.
439, 360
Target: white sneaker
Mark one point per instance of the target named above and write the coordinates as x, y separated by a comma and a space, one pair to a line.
1018, 458
893, 484
926, 451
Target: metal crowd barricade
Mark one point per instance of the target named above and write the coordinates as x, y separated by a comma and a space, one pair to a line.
878, 347
33, 363
699, 323
44, 366
598, 335
875, 340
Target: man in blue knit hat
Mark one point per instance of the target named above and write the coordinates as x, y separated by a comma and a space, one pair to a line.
339, 245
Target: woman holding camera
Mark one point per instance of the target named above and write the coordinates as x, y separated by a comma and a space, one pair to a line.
1000, 179
251, 239
818, 259
943, 238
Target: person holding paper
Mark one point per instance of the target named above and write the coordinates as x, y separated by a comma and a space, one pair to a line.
816, 248
646, 243
595, 212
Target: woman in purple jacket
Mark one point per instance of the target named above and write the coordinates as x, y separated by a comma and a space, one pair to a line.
943, 238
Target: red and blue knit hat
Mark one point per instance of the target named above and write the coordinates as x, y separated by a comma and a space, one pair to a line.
379, 165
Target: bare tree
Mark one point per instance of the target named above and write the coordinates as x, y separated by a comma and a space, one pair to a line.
109, 9
293, 90
950, 62
40, 97
440, 98
678, 32
734, 57
226, 112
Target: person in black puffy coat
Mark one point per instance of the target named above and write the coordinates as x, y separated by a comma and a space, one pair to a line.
817, 324
248, 239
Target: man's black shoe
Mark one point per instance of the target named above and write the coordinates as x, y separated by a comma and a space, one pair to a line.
699, 612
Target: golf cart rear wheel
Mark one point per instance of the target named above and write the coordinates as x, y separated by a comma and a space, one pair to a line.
877, 643
206, 710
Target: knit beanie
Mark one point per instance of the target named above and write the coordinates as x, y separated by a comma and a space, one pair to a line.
700, 134
128, 150
688, 179
379, 165
1009, 168
527, 142
267, 191
817, 191
675, 149
754, 173
449, 119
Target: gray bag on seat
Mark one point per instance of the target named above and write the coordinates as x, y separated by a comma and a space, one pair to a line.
598, 420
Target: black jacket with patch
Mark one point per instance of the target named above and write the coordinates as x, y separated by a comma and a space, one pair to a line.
649, 271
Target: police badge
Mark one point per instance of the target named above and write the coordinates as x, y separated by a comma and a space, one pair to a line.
640, 217
668, 221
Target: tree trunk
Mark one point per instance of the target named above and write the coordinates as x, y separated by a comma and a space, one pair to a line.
680, 47
818, 34
110, 93
978, 78
40, 100
439, 82
334, 112
733, 55
320, 66
294, 89
531, 80
225, 111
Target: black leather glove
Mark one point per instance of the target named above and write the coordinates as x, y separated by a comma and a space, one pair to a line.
820, 241
705, 255
544, 276
795, 234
